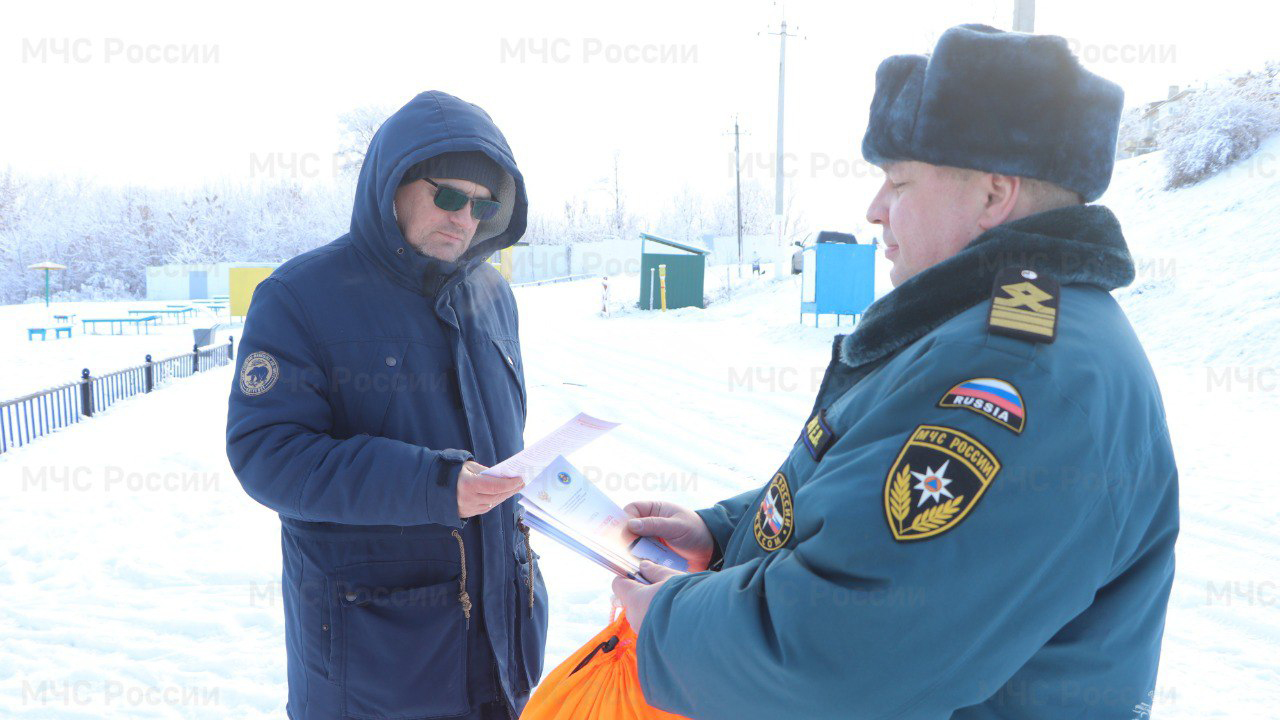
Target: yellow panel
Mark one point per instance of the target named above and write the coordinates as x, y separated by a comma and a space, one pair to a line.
503, 263
243, 281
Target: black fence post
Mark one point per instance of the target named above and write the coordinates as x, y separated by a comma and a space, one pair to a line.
151, 382
231, 349
195, 359
86, 393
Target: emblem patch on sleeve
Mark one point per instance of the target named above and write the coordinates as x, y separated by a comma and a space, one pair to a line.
258, 373
1024, 305
990, 398
775, 519
817, 435
939, 476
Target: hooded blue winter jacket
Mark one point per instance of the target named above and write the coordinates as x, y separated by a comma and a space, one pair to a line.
366, 375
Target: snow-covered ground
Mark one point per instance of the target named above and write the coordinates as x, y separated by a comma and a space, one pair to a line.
140, 581
1207, 307
36, 364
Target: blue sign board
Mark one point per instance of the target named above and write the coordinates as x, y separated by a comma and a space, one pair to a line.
839, 279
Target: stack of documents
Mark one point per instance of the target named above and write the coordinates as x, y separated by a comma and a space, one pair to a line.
566, 507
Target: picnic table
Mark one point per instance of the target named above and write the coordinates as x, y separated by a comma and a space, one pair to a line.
140, 323
179, 314
213, 304
58, 330
214, 307
64, 319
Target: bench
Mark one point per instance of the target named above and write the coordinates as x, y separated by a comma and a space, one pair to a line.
139, 323
43, 332
179, 314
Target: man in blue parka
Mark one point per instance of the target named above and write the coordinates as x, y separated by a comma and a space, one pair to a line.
377, 376
978, 517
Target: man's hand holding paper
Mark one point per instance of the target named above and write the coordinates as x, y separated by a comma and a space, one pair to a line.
479, 493
562, 497
681, 529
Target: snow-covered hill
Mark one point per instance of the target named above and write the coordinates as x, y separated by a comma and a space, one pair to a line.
1207, 307
1208, 288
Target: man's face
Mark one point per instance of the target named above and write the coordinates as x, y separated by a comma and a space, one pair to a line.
434, 232
928, 213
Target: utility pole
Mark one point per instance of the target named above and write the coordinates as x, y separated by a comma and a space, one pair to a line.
617, 196
737, 179
778, 161
1024, 15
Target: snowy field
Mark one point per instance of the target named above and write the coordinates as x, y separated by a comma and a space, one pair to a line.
34, 365
141, 582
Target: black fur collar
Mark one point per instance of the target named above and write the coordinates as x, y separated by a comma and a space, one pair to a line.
1074, 245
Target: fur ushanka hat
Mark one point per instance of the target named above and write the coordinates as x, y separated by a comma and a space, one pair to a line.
1002, 102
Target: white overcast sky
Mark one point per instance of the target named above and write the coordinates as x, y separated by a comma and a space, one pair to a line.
285, 71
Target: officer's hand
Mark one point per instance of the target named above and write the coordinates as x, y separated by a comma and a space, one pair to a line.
682, 529
478, 494
636, 596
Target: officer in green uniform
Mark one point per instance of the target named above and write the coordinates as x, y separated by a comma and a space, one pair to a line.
978, 517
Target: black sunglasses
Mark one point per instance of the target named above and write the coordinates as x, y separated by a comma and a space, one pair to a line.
451, 199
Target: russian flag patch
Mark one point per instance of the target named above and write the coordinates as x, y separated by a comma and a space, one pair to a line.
991, 398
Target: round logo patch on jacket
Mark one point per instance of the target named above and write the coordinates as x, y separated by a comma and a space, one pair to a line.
258, 373
939, 476
775, 519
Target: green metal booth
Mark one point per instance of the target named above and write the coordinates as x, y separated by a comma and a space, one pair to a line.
685, 267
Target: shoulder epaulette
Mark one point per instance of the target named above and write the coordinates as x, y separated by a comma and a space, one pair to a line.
1024, 305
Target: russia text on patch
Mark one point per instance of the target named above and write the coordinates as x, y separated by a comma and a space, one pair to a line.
991, 398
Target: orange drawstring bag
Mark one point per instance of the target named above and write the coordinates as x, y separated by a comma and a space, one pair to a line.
599, 681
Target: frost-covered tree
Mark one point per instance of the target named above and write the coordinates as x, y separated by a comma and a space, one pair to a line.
1220, 125
107, 237
355, 131
757, 211
684, 218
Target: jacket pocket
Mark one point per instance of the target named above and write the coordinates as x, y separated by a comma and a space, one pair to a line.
509, 352
368, 382
404, 650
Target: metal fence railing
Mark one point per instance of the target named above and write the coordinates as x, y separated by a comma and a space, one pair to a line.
548, 281
31, 416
